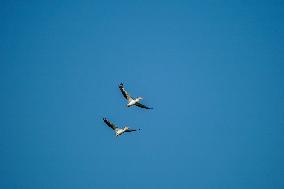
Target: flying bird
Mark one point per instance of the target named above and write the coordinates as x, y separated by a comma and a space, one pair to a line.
118, 131
131, 101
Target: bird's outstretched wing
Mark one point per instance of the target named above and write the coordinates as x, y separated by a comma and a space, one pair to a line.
131, 130
124, 92
142, 106
110, 124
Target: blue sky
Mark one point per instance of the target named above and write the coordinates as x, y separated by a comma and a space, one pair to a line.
213, 71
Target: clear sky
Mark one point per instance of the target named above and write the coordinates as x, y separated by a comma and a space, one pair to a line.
212, 70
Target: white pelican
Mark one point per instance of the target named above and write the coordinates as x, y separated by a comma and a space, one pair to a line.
131, 101
118, 131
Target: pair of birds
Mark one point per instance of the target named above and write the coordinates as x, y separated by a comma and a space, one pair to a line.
131, 102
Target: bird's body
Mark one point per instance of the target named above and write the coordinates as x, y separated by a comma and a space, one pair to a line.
118, 131
132, 101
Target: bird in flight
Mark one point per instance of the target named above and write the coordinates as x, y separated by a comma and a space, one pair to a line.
118, 131
131, 101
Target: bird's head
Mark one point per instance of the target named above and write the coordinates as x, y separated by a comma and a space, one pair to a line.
139, 98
